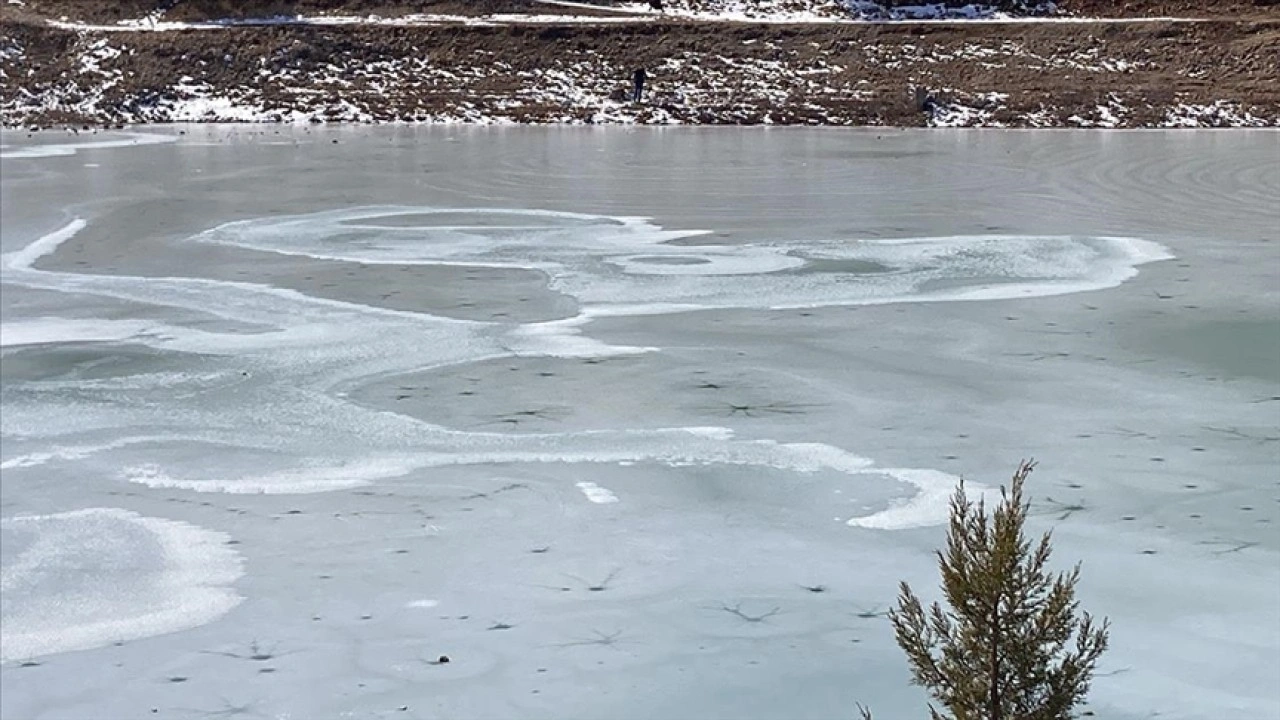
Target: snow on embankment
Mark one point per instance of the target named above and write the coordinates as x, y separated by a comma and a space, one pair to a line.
492, 70
828, 10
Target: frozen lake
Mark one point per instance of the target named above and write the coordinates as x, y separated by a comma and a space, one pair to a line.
626, 423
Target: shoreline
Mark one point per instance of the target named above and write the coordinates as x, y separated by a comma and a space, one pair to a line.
72, 131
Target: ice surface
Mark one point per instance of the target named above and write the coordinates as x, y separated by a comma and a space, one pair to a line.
627, 424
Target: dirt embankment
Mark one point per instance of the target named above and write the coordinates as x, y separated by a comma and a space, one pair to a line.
100, 11
1221, 73
1232, 9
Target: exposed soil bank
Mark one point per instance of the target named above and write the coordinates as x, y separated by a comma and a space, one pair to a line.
1220, 72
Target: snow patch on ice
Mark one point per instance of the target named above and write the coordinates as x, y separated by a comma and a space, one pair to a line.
713, 433
44, 245
88, 578
924, 509
73, 452
564, 339
597, 494
676, 447
324, 343
570, 248
71, 148
67, 330
314, 477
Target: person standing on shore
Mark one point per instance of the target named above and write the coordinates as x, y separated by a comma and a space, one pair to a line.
637, 84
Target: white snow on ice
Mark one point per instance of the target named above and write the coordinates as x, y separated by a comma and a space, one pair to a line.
597, 494
343, 340
88, 578
657, 276
71, 148
63, 330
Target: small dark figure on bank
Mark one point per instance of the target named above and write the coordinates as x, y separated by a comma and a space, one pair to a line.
637, 84
926, 101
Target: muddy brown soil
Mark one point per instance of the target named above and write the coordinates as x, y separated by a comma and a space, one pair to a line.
103, 11
1061, 74
1235, 9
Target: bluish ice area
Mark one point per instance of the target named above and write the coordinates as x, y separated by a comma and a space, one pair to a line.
626, 423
